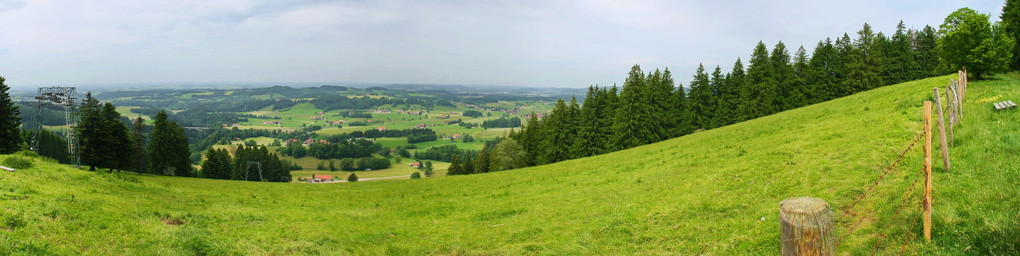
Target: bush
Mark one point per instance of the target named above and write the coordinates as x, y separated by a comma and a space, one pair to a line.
415, 175
352, 178
17, 162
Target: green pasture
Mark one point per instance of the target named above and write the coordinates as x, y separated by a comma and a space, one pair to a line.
713, 192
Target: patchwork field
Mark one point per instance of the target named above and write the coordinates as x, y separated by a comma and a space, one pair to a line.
712, 192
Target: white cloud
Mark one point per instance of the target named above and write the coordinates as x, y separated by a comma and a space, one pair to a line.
556, 43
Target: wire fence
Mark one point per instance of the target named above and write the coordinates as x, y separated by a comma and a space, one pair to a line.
854, 218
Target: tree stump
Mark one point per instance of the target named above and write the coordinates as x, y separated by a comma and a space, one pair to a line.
806, 226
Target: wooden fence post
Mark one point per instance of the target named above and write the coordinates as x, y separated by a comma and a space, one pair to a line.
927, 171
806, 225
942, 131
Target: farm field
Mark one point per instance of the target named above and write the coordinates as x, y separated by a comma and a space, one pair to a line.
711, 192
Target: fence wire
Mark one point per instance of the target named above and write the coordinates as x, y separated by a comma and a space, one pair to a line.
848, 210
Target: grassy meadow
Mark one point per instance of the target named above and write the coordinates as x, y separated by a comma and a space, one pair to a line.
713, 192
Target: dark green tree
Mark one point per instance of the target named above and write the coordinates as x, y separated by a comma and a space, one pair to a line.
800, 89
826, 70
926, 53
91, 132
631, 126
352, 178
699, 99
970, 42
1011, 26
900, 60
758, 90
168, 148
118, 144
427, 168
217, 164
455, 168
10, 137
482, 161
780, 80
138, 147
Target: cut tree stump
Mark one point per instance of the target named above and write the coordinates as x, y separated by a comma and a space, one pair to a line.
806, 225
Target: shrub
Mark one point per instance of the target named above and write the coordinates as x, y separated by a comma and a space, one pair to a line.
352, 178
415, 175
17, 162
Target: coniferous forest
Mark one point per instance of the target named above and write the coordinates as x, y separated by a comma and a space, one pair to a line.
651, 107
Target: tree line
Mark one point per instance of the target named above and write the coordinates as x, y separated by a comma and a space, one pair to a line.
248, 163
650, 107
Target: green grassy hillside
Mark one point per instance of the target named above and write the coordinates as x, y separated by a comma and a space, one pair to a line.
713, 192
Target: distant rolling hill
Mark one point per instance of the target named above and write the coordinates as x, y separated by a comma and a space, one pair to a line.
712, 192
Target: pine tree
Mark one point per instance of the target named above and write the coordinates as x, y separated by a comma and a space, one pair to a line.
631, 125
482, 161
10, 137
729, 95
825, 71
716, 84
455, 168
217, 165
138, 147
699, 99
801, 90
117, 146
585, 141
91, 132
168, 148
899, 57
660, 89
757, 92
781, 80
926, 53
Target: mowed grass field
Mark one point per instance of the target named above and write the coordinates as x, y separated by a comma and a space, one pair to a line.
713, 192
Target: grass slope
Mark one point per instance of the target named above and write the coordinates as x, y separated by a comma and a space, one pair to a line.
714, 192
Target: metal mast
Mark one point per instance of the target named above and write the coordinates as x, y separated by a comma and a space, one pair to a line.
63, 96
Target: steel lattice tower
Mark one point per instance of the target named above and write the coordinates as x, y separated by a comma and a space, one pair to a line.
63, 96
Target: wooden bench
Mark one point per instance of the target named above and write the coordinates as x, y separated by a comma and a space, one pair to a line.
6, 168
1004, 105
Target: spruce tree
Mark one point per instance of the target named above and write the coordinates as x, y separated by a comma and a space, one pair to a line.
825, 69
780, 80
631, 127
168, 148
801, 90
92, 132
10, 120
138, 148
117, 146
482, 161
699, 99
729, 95
926, 53
717, 84
660, 87
900, 57
757, 92
455, 168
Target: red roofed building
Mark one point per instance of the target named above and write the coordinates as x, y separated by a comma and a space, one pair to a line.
381, 128
321, 178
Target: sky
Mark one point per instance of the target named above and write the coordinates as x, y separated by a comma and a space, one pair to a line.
562, 43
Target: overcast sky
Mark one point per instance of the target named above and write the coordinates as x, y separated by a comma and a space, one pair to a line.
560, 43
